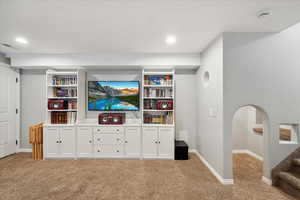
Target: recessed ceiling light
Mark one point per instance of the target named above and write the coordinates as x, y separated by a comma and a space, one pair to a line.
21, 40
171, 39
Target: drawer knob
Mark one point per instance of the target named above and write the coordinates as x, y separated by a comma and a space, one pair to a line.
126, 141
57, 141
90, 141
98, 151
118, 151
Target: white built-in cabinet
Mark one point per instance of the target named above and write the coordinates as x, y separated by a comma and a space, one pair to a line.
151, 138
158, 142
59, 142
108, 142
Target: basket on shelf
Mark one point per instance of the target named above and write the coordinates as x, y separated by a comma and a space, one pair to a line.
36, 139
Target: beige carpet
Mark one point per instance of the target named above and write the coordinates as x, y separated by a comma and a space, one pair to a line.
21, 178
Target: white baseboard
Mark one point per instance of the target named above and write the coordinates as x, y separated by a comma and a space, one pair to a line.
24, 150
266, 180
212, 170
250, 153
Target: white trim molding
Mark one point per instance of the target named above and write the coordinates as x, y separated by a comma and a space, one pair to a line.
266, 180
212, 170
24, 150
250, 153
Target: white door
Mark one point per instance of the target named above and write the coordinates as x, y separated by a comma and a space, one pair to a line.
133, 142
51, 142
150, 142
8, 116
67, 142
166, 143
84, 142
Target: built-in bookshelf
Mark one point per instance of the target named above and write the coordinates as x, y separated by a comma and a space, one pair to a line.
158, 98
62, 89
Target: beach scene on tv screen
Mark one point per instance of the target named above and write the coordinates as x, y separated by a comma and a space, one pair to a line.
113, 95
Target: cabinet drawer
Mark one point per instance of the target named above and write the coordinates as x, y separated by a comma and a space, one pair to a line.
132, 130
109, 130
109, 150
166, 130
108, 139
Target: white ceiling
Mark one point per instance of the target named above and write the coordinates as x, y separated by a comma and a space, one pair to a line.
134, 26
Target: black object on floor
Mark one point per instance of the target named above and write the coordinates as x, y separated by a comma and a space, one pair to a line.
181, 150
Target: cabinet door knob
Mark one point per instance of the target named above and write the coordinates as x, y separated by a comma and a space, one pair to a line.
57, 141
118, 151
159, 142
155, 142
98, 150
126, 141
90, 141
60, 142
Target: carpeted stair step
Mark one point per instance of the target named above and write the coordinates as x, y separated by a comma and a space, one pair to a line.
291, 179
296, 161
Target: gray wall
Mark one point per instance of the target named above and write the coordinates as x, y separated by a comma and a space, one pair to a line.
33, 102
210, 106
270, 62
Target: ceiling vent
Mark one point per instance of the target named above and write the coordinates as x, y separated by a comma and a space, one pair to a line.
7, 45
263, 13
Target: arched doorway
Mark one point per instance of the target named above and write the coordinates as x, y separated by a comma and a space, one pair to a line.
249, 143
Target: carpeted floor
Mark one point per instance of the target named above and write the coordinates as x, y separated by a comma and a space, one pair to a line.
21, 178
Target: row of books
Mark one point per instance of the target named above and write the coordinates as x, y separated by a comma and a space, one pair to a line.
158, 80
72, 104
158, 92
163, 118
63, 117
65, 92
64, 80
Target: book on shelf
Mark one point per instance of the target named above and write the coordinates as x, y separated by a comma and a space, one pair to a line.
64, 92
158, 92
158, 118
158, 80
63, 117
64, 80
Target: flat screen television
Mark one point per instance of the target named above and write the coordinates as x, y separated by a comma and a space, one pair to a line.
113, 95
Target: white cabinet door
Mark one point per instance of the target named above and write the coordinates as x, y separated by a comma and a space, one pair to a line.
67, 142
150, 140
51, 142
84, 142
166, 143
133, 142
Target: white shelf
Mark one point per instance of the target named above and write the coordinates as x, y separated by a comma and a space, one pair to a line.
161, 125
159, 86
149, 110
157, 97
62, 85
66, 110
55, 125
62, 73
62, 97
158, 73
